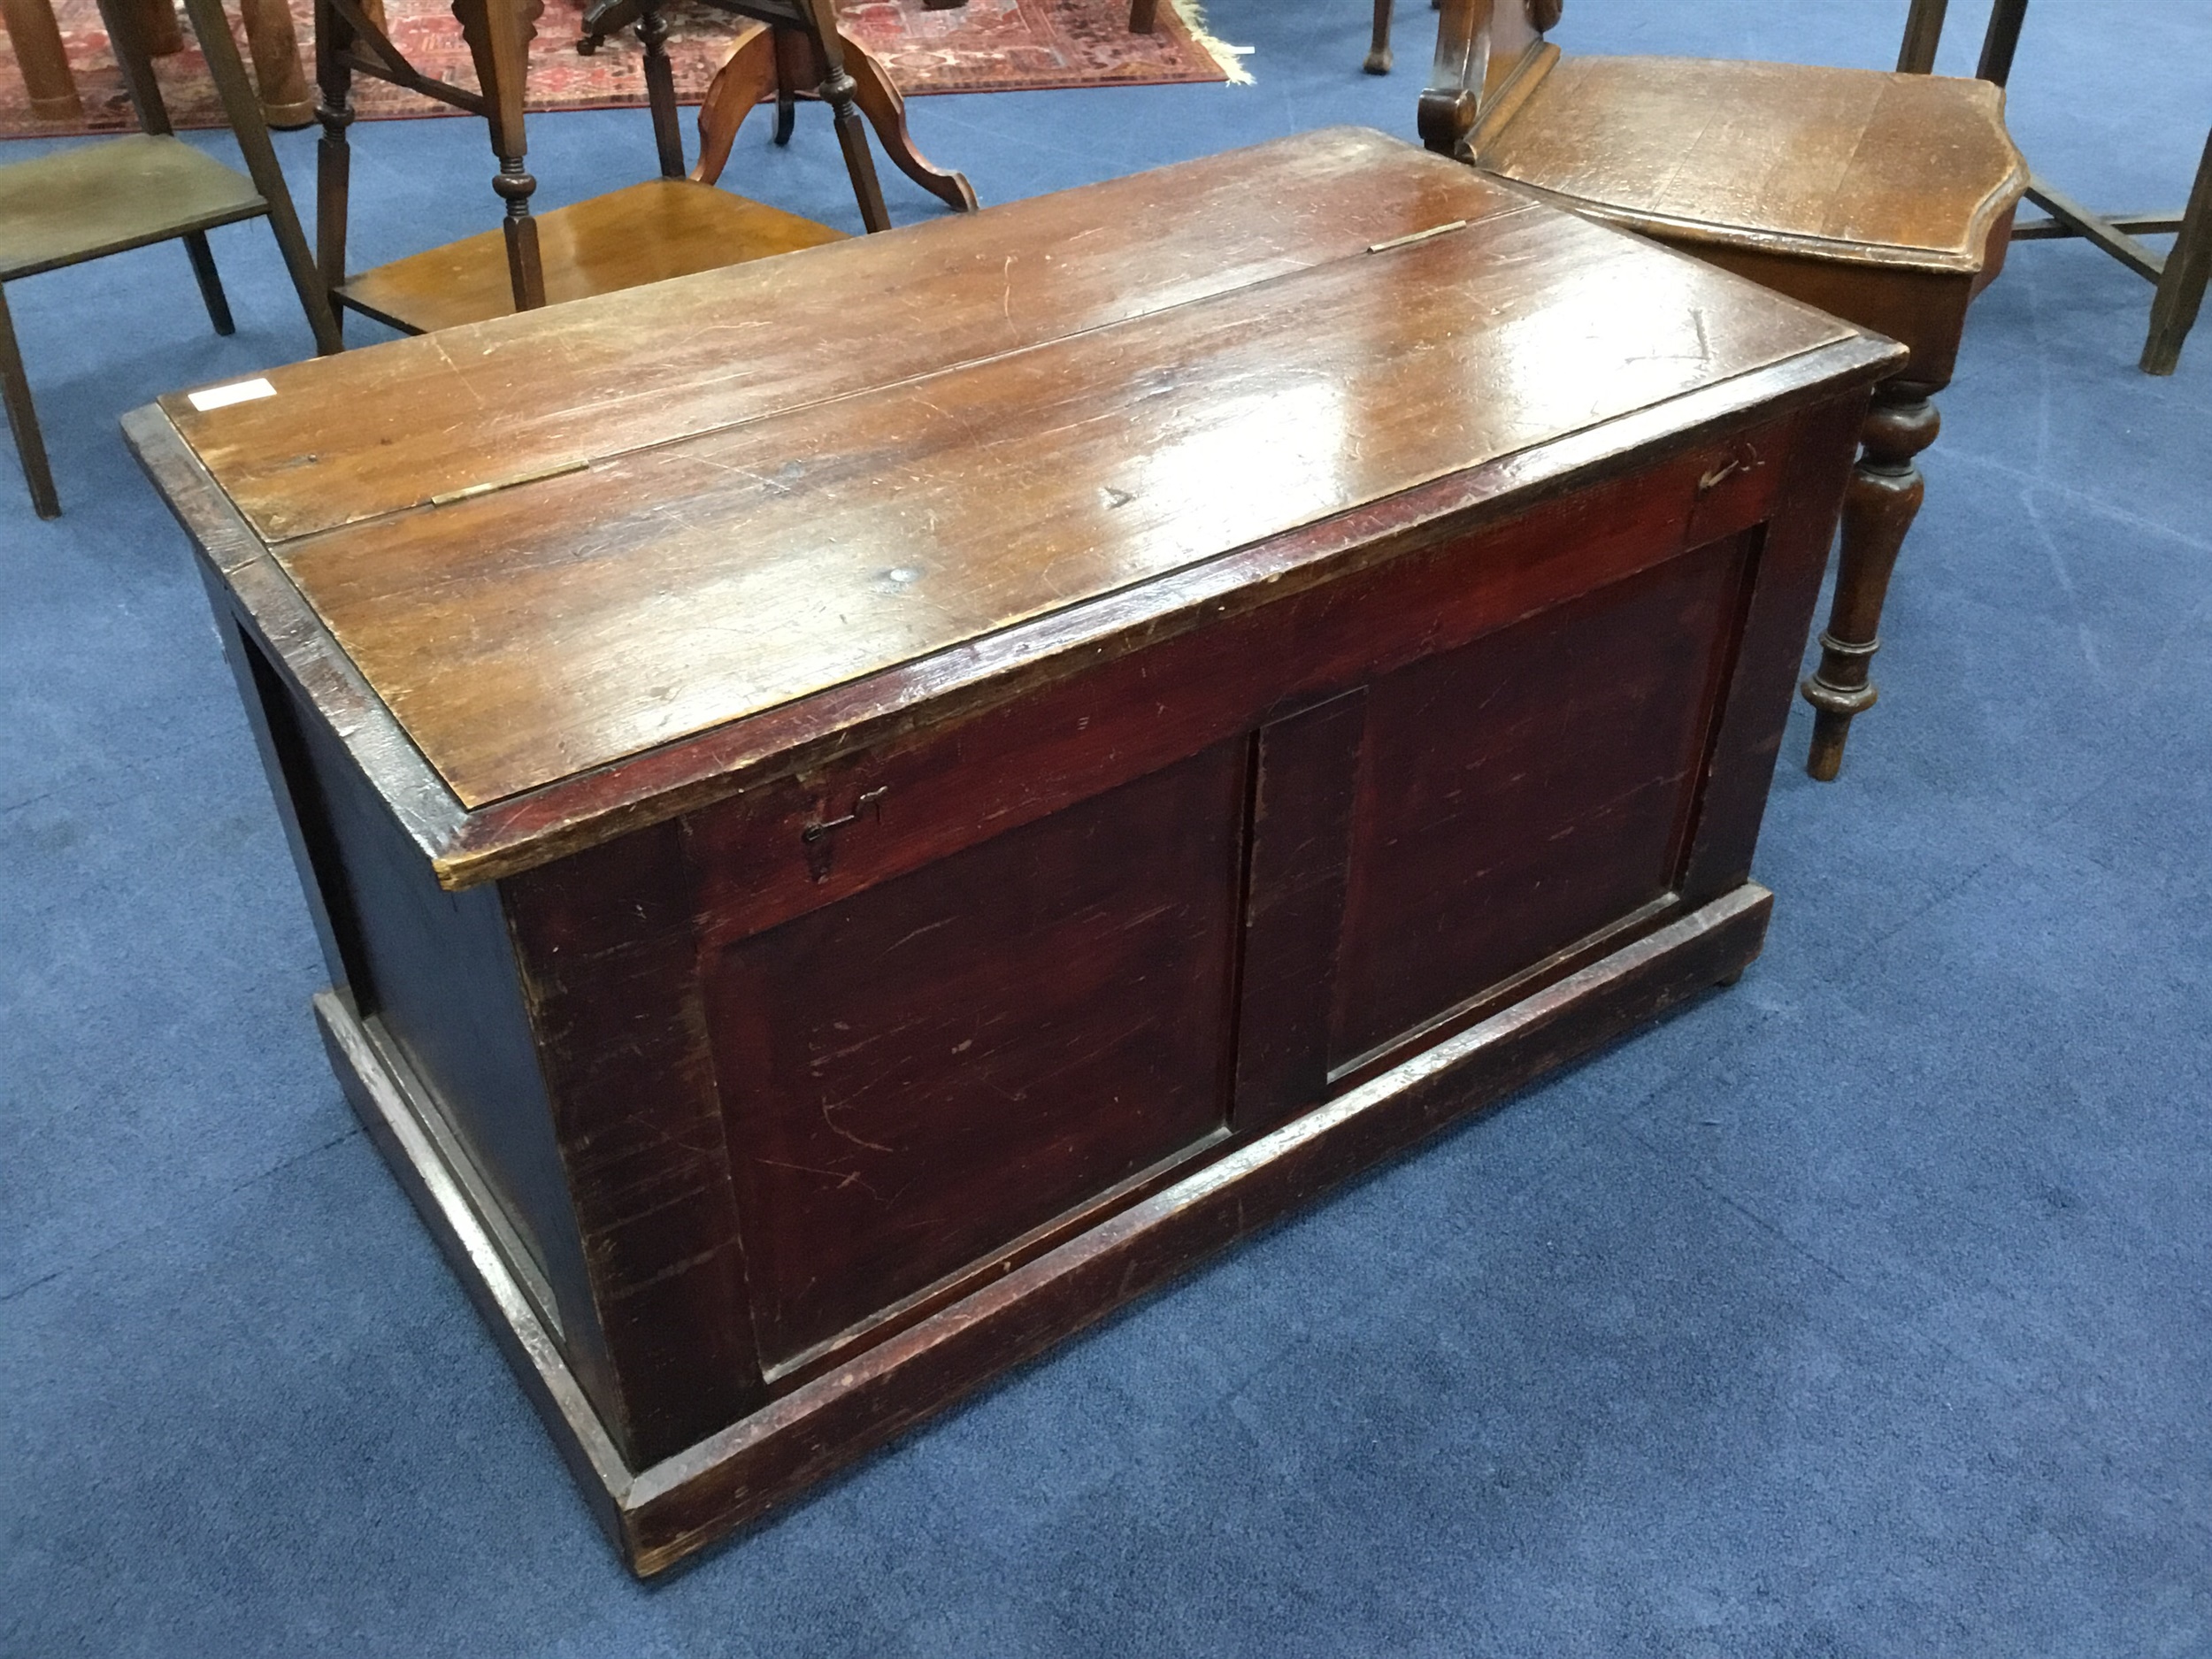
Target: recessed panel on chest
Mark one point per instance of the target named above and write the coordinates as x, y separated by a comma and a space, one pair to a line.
1524, 791
918, 1075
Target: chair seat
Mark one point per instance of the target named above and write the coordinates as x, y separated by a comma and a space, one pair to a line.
1883, 198
647, 233
84, 203
1853, 164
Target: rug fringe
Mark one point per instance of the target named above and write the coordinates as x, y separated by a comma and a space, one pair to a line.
1229, 57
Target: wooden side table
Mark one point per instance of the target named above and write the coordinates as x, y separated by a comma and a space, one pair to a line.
84, 201
2179, 276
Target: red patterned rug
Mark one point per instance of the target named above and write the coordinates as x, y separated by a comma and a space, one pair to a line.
987, 46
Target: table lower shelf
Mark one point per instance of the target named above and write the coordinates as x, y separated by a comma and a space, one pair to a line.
657, 1516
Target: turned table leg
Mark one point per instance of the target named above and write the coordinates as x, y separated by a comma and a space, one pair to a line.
837, 90
160, 34
1879, 504
886, 109
39, 55
273, 42
1378, 48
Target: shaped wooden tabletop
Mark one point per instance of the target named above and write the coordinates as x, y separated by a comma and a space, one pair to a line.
1842, 163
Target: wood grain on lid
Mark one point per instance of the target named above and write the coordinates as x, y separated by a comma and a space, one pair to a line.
390, 427
532, 633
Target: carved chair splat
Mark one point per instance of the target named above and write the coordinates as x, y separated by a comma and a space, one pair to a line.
1894, 217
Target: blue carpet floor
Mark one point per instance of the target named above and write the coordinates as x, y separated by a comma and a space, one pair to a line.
1864, 1310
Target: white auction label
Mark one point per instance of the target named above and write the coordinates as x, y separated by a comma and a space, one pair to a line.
236, 392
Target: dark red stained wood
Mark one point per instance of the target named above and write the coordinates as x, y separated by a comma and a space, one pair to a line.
1135, 713
1059, 744
670, 1511
1526, 790
610, 967
919, 1077
1791, 557
1306, 780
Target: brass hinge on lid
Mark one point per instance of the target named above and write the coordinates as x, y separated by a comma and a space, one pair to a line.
1419, 235
448, 497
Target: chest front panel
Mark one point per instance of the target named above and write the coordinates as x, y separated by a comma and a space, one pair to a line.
921, 1074
969, 992
1529, 789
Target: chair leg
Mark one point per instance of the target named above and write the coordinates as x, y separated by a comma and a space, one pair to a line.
746, 76
795, 68
211, 282
886, 109
837, 90
1923, 34
157, 26
333, 154
660, 91
15, 393
2001, 40
243, 108
1378, 50
1144, 15
1880, 506
852, 138
2181, 286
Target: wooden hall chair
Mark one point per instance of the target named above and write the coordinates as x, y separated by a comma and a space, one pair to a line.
1884, 198
90, 201
672, 226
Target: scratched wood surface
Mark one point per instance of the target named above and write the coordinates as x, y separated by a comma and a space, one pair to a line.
389, 427
844, 520
922, 1073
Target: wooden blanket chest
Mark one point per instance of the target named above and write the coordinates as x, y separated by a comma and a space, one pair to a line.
867, 807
